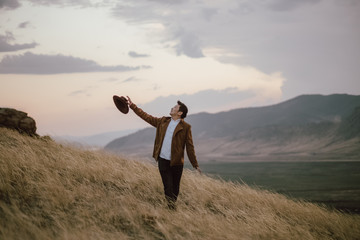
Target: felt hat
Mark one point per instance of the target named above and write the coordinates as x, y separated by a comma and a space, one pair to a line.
121, 104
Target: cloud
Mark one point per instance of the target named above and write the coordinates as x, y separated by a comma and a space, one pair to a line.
30, 63
79, 93
131, 79
203, 101
110, 80
243, 8
138, 12
24, 24
9, 4
63, 3
312, 42
137, 55
347, 2
189, 45
304, 40
13, 4
144, 12
5, 45
208, 13
288, 5
168, 2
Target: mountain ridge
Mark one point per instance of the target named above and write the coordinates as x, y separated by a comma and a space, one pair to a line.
97, 140
311, 126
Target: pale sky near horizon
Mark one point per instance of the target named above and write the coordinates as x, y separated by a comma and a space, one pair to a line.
62, 61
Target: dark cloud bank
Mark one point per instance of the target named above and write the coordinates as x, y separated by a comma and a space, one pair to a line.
9, 4
30, 63
6, 46
314, 43
206, 99
13, 4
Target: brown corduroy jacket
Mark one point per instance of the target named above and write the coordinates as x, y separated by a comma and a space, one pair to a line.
182, 137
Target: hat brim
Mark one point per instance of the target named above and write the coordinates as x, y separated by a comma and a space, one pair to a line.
121, 104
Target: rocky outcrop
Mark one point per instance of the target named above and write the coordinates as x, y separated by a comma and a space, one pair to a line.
17, 120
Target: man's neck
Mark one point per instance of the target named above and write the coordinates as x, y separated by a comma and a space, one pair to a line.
175, 118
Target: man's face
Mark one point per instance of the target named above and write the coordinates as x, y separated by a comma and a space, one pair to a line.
175, 110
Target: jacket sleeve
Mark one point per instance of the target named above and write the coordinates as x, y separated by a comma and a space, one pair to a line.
190, 150
154, 121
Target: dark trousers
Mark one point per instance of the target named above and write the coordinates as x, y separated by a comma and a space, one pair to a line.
171, 176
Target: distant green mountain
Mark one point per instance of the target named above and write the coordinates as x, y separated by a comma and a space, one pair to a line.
298, 111
350, 127
308, 126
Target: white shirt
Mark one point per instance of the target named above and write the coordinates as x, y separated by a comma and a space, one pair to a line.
166, 146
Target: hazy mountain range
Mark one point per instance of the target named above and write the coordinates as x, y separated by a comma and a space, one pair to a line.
308, 127
96, 141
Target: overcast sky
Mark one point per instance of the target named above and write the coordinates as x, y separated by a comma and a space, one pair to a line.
62, 61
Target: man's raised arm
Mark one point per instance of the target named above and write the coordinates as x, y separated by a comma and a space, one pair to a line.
146, 117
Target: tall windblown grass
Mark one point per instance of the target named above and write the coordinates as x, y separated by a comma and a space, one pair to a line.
51, 191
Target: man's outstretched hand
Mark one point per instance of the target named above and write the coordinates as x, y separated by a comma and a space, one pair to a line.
129, 101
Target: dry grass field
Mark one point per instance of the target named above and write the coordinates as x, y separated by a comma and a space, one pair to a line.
52, 191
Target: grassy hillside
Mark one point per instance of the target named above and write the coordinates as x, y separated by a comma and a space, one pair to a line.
50, 191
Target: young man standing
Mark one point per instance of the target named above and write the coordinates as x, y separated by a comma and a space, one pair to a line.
172, 135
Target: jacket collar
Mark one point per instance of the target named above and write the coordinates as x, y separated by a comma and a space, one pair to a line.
178, 128
168, 119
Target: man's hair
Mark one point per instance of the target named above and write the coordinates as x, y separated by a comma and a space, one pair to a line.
182, 109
